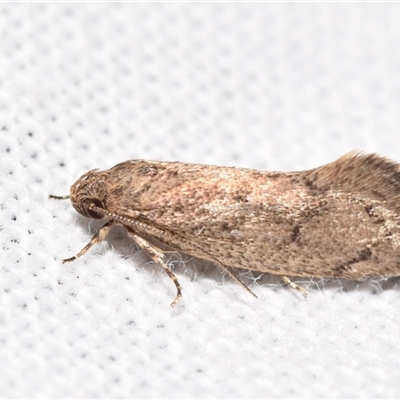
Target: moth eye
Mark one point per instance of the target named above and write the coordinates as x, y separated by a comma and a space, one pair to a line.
95, 214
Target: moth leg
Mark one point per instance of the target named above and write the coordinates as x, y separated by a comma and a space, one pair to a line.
294, 285
166, 235
97, 238
157, 255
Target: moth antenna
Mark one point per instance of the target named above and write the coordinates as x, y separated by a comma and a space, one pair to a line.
52, 196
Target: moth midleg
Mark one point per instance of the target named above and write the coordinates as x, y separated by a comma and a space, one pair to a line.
202, 253
158, 256
97, 238
294, 285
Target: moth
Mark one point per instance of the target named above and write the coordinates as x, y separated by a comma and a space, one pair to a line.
340, 220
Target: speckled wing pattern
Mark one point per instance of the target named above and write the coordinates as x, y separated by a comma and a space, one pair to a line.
339, 220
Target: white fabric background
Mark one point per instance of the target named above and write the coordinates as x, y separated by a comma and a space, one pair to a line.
269, 86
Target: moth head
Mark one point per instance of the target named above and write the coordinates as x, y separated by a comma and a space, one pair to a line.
88, 195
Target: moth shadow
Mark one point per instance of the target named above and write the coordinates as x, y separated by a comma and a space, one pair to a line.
184, 265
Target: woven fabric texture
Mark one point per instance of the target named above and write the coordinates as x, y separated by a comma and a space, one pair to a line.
261, 85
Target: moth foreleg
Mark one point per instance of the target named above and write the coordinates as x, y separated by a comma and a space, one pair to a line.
158, 256
294, 285
97, 238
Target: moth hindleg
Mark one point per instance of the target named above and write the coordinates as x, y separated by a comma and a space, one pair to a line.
294, 285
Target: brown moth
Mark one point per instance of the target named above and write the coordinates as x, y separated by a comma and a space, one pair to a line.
341, 220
